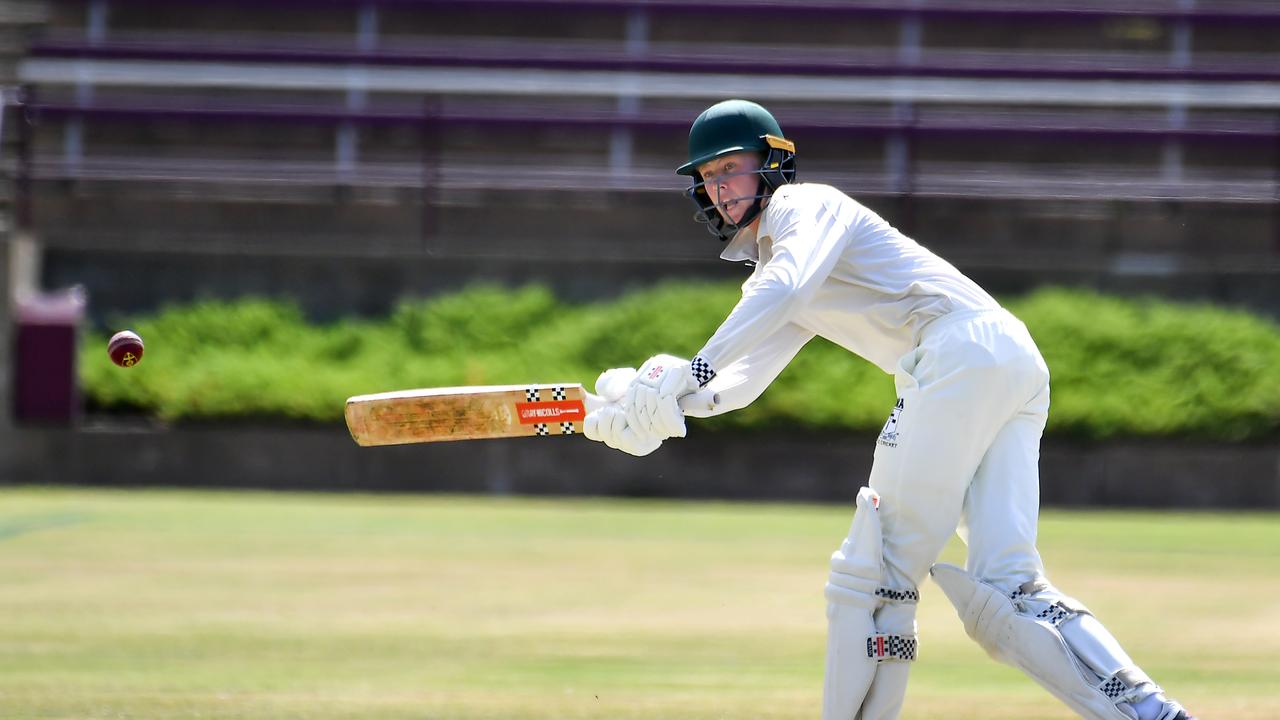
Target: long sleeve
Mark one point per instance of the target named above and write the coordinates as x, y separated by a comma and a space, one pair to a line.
807, 242
739, 384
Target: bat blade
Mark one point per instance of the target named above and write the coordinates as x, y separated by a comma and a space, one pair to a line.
468, 413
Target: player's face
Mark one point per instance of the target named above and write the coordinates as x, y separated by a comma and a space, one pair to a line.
732, 183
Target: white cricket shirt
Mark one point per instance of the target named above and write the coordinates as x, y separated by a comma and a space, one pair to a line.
826, 265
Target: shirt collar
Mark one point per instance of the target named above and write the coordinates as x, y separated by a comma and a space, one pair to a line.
743, 247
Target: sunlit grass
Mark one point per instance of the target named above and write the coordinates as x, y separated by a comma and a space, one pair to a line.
167, 604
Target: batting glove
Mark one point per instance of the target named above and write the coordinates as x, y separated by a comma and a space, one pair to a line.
653, 397
612, 384
609, 426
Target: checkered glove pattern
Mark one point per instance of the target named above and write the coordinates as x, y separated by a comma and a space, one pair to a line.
702, 371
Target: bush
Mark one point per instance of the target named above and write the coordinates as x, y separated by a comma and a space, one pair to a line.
1154, 368
1120, 367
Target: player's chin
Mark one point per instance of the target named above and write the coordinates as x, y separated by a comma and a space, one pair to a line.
733, 212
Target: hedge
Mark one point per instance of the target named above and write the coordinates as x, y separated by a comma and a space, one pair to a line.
1121, 367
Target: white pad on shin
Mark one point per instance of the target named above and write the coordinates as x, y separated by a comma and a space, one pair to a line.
889, 689
857, 643
1053, 639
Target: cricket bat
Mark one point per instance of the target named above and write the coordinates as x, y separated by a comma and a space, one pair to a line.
478, 412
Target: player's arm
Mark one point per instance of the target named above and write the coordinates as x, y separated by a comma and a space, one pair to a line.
745, 379
808, 240
738, 386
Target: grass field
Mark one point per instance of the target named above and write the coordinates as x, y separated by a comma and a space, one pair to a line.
168, 604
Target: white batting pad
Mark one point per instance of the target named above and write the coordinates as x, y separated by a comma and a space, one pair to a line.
870, 628
856, 566
1026, 636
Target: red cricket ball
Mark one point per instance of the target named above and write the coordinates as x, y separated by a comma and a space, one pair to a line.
125, 348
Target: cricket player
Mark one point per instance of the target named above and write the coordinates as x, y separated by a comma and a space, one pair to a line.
959, 451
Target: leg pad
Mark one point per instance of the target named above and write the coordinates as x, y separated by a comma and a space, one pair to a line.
1022, 630
868, 624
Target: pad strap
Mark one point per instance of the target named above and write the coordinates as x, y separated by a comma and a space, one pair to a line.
1123, 684
1056, 614
883, 646
910, 596
1038, 599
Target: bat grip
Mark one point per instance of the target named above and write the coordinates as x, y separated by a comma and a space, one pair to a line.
695, 404
702, 401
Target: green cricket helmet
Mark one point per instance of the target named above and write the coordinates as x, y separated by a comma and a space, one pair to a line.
737, 126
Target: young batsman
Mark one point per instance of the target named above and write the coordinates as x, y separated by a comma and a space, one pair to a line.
959, 451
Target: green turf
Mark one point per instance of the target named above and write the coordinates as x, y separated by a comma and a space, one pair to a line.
256, 605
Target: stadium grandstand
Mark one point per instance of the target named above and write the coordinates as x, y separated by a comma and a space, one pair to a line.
349, 153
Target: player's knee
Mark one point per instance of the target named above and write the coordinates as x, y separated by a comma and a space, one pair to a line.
856, 565
857, 580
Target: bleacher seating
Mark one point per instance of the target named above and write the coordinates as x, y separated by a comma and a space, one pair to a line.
1020, 138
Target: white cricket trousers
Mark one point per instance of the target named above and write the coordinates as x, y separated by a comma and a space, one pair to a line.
961, 451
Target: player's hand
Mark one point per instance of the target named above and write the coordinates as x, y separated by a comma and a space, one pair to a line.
653, 398
612, 384
609, 426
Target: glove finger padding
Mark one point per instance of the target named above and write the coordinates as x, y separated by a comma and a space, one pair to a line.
633, 444
629, 439
651, 412
609, 425
612, 422
612, 384
671, 416
591, 426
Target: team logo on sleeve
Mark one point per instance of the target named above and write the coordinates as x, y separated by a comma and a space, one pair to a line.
889, 435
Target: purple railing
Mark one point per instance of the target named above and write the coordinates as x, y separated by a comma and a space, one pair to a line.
1246, 128
1233, 11
677, 58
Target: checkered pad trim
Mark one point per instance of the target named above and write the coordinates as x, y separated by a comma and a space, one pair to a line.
532, 395
899, 596
557, 393
1055, 614
702, 371
1113, 688
1030, 587
541, 429
1123, 683
566, 428
883, 647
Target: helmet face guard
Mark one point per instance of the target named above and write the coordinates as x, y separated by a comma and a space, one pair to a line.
778, 169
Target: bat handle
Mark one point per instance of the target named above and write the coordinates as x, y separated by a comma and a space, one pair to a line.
695, 404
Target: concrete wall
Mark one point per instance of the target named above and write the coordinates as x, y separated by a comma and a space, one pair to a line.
830, 469
598, 255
